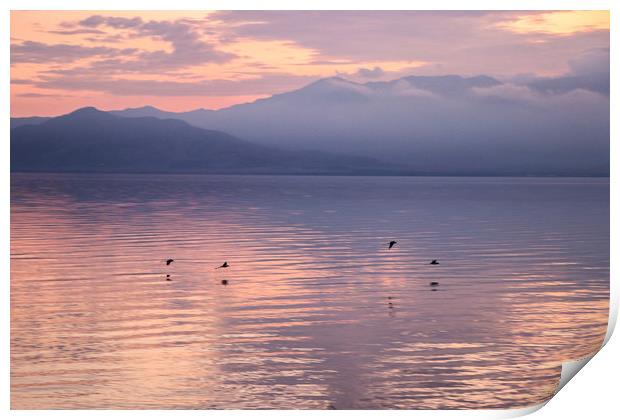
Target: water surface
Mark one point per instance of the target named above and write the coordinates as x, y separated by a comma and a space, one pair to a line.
317, 312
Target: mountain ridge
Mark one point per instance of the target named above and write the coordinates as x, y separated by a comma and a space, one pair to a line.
89, 140
442, 125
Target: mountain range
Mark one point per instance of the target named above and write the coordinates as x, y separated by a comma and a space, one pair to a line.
441, 125
89, 140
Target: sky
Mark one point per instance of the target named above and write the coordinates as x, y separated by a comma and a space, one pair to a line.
179, 61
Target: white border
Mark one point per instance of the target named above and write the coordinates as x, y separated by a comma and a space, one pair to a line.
591, 395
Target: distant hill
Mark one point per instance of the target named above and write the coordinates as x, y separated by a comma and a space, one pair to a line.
198, 117
18, 122
89, 140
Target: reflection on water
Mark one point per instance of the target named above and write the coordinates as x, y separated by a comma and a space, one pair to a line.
317, 312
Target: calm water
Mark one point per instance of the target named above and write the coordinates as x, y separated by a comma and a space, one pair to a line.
305, 321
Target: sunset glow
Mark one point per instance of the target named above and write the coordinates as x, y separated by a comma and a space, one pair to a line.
62, 60
561, 23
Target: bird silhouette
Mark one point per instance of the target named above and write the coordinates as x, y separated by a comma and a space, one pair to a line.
224, 282
434, 262
391, 244
169, 261
434, 283
168, 277
225, 265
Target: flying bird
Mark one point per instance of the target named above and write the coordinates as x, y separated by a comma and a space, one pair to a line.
434, 283
225, 265
168, 277
224, 282
169, 261
391, 244
434, 262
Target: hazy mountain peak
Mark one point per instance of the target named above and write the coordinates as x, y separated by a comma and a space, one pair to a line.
330, 89
333, 82
86, 114
144, 108
143, 111
87, 110
327, 81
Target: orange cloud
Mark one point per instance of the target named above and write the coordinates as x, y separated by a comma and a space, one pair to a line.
560, 22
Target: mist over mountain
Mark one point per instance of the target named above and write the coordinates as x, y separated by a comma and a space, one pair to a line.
438, 124
89, 140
